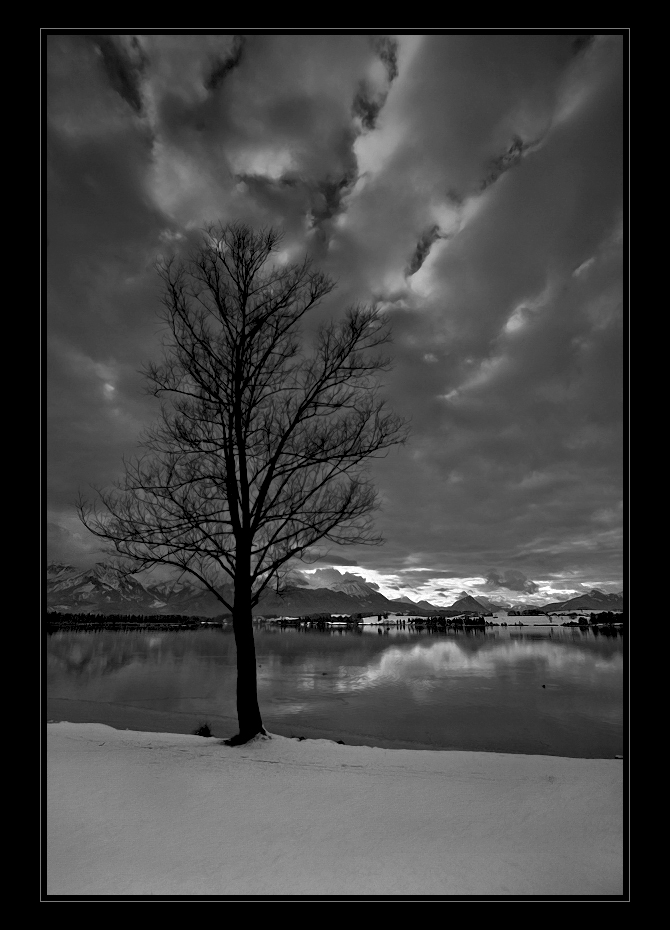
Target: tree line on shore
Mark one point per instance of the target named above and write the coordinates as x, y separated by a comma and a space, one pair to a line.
56, 620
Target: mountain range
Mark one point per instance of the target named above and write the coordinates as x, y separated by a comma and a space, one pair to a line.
594, 600
101, 589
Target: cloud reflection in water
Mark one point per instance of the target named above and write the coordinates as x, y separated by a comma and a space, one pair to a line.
418, 664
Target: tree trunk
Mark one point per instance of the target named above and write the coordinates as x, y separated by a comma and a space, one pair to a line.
248, 713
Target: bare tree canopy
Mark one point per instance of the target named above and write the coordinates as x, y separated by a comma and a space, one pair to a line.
260, 450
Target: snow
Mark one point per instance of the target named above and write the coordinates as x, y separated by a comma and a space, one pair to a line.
132, 813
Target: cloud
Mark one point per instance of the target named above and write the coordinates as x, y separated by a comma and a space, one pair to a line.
326, 577
418, 666
479, 203
331, 558
512, 580
582, 42
225, 64
67, 541
427, 238
387, 49
372, 92
502, 163
366, 107
123, 65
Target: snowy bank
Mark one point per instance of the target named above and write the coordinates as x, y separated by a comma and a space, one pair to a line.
132, 813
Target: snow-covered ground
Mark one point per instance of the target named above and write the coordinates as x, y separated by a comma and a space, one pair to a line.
131, 813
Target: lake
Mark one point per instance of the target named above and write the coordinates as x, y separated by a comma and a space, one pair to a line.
535, 689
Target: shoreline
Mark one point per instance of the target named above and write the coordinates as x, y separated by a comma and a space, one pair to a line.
183, 723
56, 622
134, 813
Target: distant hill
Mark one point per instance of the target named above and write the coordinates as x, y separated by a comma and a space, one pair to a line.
492, 605
468, 604
594, 600
521, 608
301, 600
405, 601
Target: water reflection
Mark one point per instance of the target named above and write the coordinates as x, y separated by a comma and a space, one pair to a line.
532, 690
447, 659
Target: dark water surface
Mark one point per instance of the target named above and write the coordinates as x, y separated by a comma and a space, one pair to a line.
552, 691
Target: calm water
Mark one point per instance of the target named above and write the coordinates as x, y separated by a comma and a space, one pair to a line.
553, 691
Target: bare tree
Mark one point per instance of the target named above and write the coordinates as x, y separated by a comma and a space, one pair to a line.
260, 449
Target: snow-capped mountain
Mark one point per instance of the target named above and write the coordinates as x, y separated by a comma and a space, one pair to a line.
342, 592
101, 589
59, 570
102, 578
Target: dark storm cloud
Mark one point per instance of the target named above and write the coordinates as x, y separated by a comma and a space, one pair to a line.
317, 201
371, 95
528, 351
102, 300
123, 190
505, 296
369, 100
366, 107
582, 42
332, 193
123, 66
423, 248
387, 49
285, 122
225, 65
502, 163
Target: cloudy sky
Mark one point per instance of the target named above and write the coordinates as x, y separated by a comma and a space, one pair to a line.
471, 185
